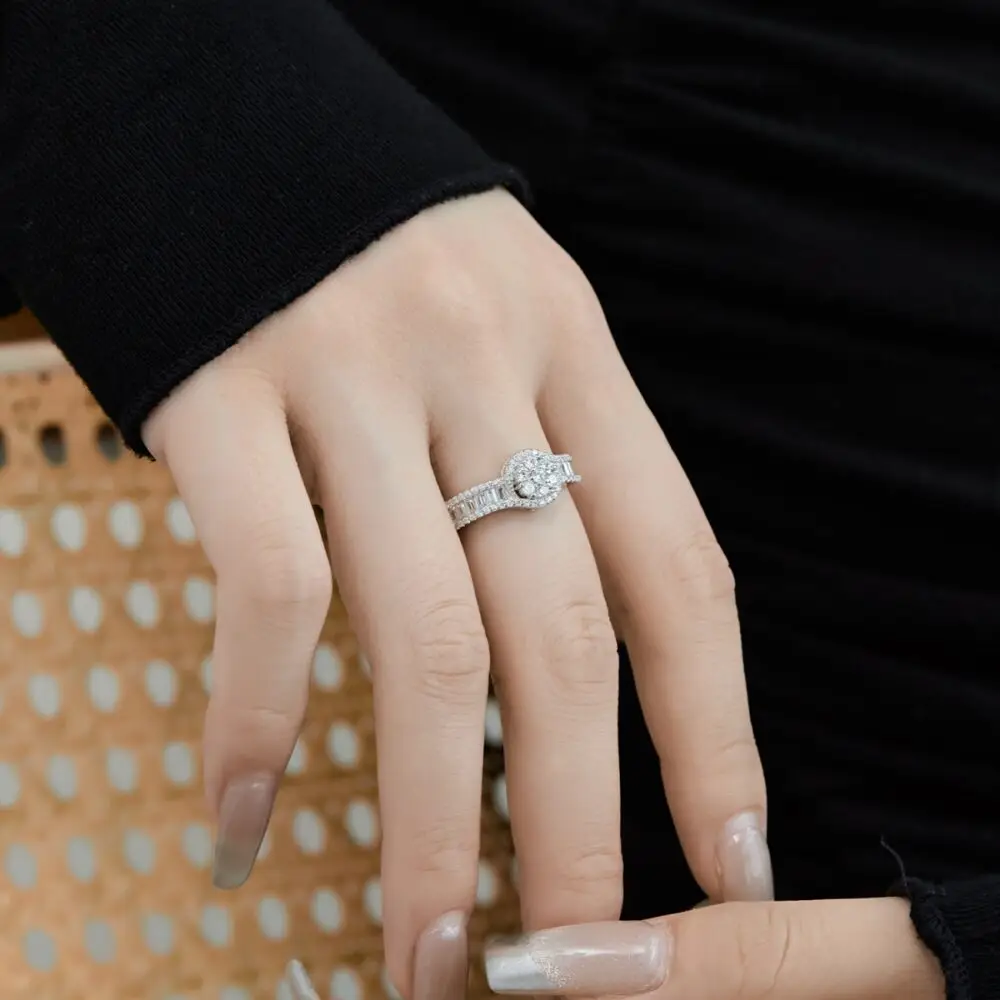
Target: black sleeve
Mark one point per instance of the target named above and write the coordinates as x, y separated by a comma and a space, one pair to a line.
9, 302
960, 923
173, 171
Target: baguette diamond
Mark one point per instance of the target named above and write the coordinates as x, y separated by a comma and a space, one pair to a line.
530, 479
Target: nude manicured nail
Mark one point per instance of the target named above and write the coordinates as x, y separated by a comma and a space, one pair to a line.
590, 960
243, 818
744, 861
299, 982
441, 960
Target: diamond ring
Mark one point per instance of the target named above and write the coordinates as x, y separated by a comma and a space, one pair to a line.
529, 480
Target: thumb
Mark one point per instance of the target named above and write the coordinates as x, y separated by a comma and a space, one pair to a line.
831, 949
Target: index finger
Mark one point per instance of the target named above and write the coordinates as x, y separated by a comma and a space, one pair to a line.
230, 454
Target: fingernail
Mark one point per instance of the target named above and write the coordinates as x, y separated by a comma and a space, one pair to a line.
604, 959
299, 982
744, 861
243, 816
441, 960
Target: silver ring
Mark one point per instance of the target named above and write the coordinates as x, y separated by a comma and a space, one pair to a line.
529, 480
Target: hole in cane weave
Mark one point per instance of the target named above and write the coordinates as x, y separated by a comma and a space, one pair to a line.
27, 614
179, 522
139, 851
486, 884
371, 897
199, 599
298, 760
44, 695
69, 527
158, 933
328, 668
326, 910
161, 683
215, 926
265, 847
125, 524
494, 724
142, 603
81, 859
122, 769
205, 673
308, 831
103, 688
19, 864
53, 444
342, 745
196, 842
99, 940
345, 985
86, 608
10, 785
178, 763
13, 533
500, 797
60, 773
109, 444
272, 918
361, 823
39, 950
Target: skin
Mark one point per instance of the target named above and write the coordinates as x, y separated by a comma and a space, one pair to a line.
408, 375
826, 949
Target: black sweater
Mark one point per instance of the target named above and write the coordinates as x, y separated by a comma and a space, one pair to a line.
172, 173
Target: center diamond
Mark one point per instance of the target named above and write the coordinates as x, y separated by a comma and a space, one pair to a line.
535, 476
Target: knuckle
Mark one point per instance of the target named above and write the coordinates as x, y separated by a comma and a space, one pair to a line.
446, 849
451, 648
703, 570
286, 577
595, 871
577, 299
580, 650
450, 290
762, 948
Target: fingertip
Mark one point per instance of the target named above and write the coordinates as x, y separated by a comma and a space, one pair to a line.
244, 813
743, 860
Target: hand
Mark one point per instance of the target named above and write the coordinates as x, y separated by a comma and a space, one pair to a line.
407, 376
828, 949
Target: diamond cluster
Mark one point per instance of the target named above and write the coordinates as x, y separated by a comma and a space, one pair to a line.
530, 479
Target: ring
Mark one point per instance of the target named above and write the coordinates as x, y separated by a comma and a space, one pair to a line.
529, 480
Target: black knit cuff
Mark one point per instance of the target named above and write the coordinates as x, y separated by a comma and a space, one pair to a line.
9, 302
960, 923
173, 172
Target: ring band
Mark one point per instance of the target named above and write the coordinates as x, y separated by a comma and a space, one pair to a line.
529, 480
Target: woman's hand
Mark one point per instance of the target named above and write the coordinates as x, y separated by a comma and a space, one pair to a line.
407, 376
828, 949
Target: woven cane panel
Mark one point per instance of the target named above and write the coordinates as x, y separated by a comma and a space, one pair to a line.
107, 605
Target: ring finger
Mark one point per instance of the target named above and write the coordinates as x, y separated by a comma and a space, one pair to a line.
554, 658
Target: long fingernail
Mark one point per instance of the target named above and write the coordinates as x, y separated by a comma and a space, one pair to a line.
299, 982
744, 860
243, 817
604, 959
441, 960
